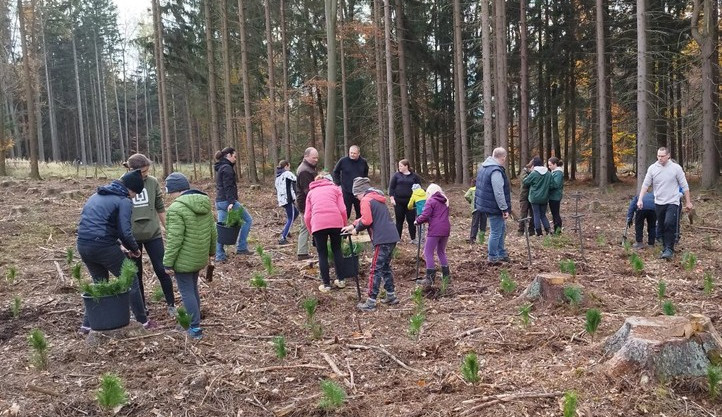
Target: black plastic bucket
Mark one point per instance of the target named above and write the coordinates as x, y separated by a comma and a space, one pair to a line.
108, 312
227, 235
349, 268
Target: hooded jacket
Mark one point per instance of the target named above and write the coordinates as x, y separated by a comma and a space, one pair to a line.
556, 190
539, 182
436, 214
285, 187
375, 217
146, 207
226, 188
106, 217
417, 201
190, 232
324, 206
647, 205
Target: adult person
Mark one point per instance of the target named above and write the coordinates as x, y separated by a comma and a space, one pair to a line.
325, 215
524, 204
493, 197
539, 181
227, 199
148, 216
346, 170
666, 178
305, 175
556, 191
105, 219
400, 191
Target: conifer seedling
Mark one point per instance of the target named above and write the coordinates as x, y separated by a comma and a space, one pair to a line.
570, 404
415, 323
11, 275
259, 250
234, 218
111, 393
267, 263
470, 368
525, 314
708, 282
183, 318
279, 346
594, 317
445, 281
507, 284
573, 295
627, 245
714, 376
69, 255
601, 240
661, 289
418, 298
39, 345
309, 305
316, 330
668, 308
15, 306
332, 395
157, 294
689, 261
481, 238
258, 281
112, 286
568, 266
637, 263
76, 272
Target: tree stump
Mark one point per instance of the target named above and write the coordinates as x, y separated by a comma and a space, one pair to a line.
664, 346
548, 287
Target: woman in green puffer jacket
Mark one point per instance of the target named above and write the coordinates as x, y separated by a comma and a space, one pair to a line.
190, 242
539, 182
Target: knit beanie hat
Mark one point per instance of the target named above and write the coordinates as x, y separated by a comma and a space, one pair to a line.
416, 187
133, 180
176, 182
361, 185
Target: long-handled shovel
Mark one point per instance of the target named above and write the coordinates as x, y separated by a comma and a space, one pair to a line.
419, 230
524, 222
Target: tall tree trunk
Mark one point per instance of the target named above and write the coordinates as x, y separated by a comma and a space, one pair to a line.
403, 83
601, 96
273, 143
163, 105
230, 138
148, 113
210, 57
330, 146
286, 110
137, 119
502, 103
344, 95
487, 78
3, 144
644, 155
81, 128
123, 155
385, 168
525, 155
252, 174
28, 77
54, 141
389, 88
462, 165
102, 156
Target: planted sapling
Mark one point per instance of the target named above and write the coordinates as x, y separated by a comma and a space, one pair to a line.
601, 240
258, 281
418, 298
11, 275
668, 308
111, 394
525, 314
69, 255
507, 284
573, 295
76, 272
234, 218
661, 289
415, 323
594, 317
445, 281
279, 346
183, 318
309, 305
259, 250
570, 404
708, 282
39, 344
157, 294
267, 263
470, 368
689, 261
332, 395
15, 306
627, 245
637, 263
714, 376
568, 266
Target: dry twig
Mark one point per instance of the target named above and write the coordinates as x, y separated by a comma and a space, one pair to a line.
332, 364
386, 352
286, 367
495, 399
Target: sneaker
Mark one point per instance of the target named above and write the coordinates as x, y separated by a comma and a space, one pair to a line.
390, 299
324, 288
414, 241
368, 305
638, 245
340, 283
283, 242
243, 252
172, 311
667, 254
303, 256
84, 330
150, 324
195, 333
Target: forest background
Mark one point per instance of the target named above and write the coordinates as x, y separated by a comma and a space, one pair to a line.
600, 84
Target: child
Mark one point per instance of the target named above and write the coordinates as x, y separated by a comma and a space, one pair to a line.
539, 181
478, 219
286, 194
555, 192
417, 201
648, 213
384, 236
436, 213
190, 243
525, 210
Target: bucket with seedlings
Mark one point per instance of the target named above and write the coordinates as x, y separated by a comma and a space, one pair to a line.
107, 302
228, 230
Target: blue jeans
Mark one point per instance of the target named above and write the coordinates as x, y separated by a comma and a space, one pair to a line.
188, 288
155, 251
540, 218
242, 245
381, 270
497, 234
102, 260
291, 214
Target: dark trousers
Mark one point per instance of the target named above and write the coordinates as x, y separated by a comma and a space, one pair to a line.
350, 200
291, 214
155, 251
188, 288
555, 207
667, 220
321, 237
478, 222
639, 218
381, 270
403, 213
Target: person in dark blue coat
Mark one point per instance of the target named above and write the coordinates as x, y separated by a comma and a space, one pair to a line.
638, 216
227, 199
104, 221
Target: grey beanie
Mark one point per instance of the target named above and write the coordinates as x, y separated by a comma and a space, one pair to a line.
361, 185
176, 182
133, 180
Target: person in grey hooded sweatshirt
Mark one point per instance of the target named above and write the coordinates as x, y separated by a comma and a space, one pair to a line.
493, 197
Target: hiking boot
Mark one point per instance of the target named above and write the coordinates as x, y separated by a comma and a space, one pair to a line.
368, 305
638, 245
324, 288
340, 283
390, 299
172, 311
506, 259
303, 256
243, 252
195, 333
84, 330
283, 242
494, 262
428, 280
667, 254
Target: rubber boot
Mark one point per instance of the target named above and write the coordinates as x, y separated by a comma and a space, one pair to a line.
428, 280
445, 273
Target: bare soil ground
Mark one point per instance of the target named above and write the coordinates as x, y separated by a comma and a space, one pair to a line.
234, 371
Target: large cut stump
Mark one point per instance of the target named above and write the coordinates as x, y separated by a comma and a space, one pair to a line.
548, 287
664, 346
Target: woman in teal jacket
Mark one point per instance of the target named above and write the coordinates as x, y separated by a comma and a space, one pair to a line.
190, 242
555, 191
539, 182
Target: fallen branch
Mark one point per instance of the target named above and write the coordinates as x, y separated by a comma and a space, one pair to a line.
61, 276
350, 372
286, 367
42, 390
495, 399
386, 352
332, 364
247, 336
469, 332
707, 228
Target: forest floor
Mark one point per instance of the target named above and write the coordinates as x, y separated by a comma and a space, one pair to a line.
234, 370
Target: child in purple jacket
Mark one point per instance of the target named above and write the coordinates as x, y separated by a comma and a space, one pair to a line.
436, 213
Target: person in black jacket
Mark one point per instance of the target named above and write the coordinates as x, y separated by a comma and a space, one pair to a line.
347, 169
400, 192
305, 175
227, 199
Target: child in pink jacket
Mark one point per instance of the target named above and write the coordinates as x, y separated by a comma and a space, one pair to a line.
325, 215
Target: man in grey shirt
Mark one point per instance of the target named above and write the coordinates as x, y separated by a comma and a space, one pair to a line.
666, 179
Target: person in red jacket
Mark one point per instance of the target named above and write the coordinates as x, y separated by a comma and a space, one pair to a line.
324, 216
